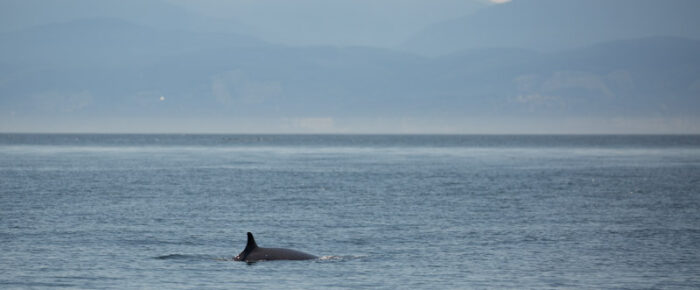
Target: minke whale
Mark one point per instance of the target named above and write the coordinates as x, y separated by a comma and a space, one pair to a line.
253, 253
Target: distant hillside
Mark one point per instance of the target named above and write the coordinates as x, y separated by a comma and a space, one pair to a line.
104, 67
551, 25
658, 76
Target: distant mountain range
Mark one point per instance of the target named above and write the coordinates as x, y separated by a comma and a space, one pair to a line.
112, 67
553, 25
547, 60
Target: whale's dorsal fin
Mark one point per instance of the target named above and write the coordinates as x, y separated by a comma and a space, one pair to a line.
251, 243
249, 247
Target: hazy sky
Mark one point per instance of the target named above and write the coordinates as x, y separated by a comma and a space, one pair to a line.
298, 22
337, 22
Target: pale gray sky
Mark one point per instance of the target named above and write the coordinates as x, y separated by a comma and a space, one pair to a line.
335, 22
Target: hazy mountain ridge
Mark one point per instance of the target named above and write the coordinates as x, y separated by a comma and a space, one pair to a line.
101, 67
553, 25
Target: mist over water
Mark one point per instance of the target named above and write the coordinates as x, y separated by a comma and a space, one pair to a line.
384, 211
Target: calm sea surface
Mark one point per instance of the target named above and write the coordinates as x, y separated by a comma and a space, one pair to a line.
438, 212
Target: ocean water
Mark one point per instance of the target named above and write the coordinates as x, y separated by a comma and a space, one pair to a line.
409, 212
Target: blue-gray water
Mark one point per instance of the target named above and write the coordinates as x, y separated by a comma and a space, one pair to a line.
170, 211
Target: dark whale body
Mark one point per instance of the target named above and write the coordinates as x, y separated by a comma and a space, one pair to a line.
253, 253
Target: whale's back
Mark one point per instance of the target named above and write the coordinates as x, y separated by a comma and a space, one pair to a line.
269, 254
253, 253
